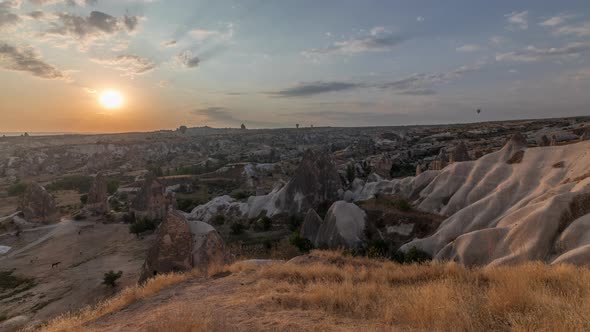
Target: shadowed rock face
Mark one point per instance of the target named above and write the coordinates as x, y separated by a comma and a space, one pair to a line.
172, 250
343, 226
316, 181
311, 225
152, 201
37, 205
97, 196
208, 246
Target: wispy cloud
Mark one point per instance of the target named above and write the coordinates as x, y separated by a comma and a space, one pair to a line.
379, 39
518, 19
468, 48
532, 53
188, 60
7, 17
131, 65
416, 84
580, 30
556, 20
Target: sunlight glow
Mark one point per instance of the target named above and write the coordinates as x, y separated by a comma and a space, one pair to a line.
111, 99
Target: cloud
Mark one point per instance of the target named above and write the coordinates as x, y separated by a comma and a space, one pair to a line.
169, 43
420, 19
532, 54
316, 88
497, 40
467, 48
95, 26
28, 60
416, 84
222, 115
67, 2
215, 36
7, 17
556, 20
580, 30
188, 60
131, 65
518, 19
378, 40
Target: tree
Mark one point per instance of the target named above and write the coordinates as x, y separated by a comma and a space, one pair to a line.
350, 172
182, 129
297, 125
243, 126
110, 278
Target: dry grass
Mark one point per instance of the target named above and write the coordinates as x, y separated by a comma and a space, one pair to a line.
327, 291
75, 321
440, 297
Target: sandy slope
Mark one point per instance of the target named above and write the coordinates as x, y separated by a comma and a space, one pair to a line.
84, 250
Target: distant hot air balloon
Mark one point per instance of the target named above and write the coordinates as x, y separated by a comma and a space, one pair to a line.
478, 111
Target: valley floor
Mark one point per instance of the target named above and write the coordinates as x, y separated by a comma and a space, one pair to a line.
327, 291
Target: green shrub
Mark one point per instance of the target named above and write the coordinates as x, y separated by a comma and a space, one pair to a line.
110, 278
17, 189
81, 183
304, 245
219, 219
84, 199
415, 255
112, 186
237, 228
186, 204
403, 205
263, 224
295, 222
143, 224
239, 195
79, 216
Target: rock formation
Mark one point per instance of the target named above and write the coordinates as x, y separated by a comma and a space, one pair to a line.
152, 201
97, 202
311, 225
553, 140
173, 248
460, 153
316, 181
208, 248
37, 205
544, 141
343, 226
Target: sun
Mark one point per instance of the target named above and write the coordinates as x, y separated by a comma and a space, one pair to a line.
111, 99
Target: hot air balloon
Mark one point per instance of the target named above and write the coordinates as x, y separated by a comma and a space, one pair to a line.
478, 111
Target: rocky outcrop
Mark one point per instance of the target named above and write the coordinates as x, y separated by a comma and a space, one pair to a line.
173, 248
311, 225
97, 203
208, 247
315, 182
152, 201
460, 153
502, 213
343, 227
37, 205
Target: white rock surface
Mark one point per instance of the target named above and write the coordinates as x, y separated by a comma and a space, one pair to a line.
343, 226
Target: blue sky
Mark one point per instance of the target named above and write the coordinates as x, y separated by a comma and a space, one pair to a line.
277, 63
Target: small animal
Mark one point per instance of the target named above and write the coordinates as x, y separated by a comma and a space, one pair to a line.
55, 264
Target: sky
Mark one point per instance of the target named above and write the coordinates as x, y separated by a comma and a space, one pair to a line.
271, 64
